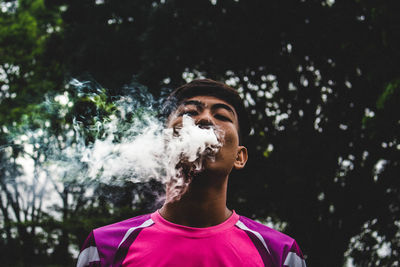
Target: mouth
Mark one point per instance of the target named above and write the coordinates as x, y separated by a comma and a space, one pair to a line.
195, 144
212, 150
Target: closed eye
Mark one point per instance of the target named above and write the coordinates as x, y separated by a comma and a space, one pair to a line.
222, 117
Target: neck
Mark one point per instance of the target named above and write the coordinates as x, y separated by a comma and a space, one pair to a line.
200, 206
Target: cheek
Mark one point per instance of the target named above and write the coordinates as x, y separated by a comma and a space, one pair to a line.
231, 138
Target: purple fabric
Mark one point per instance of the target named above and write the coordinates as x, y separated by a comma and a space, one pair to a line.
266, 258
296, 249
124, 248
113, 234
89, 242
278, 243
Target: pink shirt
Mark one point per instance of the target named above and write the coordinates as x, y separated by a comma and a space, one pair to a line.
168, 244
150, 240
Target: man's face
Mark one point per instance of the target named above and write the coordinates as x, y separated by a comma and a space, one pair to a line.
209, 111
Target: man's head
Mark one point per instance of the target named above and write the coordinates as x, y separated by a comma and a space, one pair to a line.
208, 87
214, 105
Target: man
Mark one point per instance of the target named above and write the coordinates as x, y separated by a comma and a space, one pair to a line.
197, 229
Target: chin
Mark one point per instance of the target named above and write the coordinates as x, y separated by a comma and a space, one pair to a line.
212, 169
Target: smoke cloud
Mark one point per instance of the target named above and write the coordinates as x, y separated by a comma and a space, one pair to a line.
133, 144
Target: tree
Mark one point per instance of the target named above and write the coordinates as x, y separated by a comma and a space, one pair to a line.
24, 77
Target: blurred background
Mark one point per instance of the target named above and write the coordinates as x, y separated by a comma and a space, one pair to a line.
321, 81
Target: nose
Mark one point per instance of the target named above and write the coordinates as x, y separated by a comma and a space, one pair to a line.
205, 120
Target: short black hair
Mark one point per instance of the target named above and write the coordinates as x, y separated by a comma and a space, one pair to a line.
208, 87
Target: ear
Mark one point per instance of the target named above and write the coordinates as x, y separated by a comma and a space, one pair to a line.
241, 158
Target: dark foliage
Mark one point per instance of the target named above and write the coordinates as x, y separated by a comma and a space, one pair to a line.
322, 84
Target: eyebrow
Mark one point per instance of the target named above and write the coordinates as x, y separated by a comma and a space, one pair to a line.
200, 104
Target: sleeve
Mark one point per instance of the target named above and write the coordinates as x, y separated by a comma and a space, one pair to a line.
294, 257
89, 255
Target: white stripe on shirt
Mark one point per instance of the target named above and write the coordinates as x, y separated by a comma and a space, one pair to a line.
143, 225
293, 260
257, 234
88, 255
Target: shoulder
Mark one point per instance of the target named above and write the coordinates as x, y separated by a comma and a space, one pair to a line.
281, 247
113, 233
273, 236
102, 243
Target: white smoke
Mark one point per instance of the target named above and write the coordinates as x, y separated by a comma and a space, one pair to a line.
145, 149
191, 144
